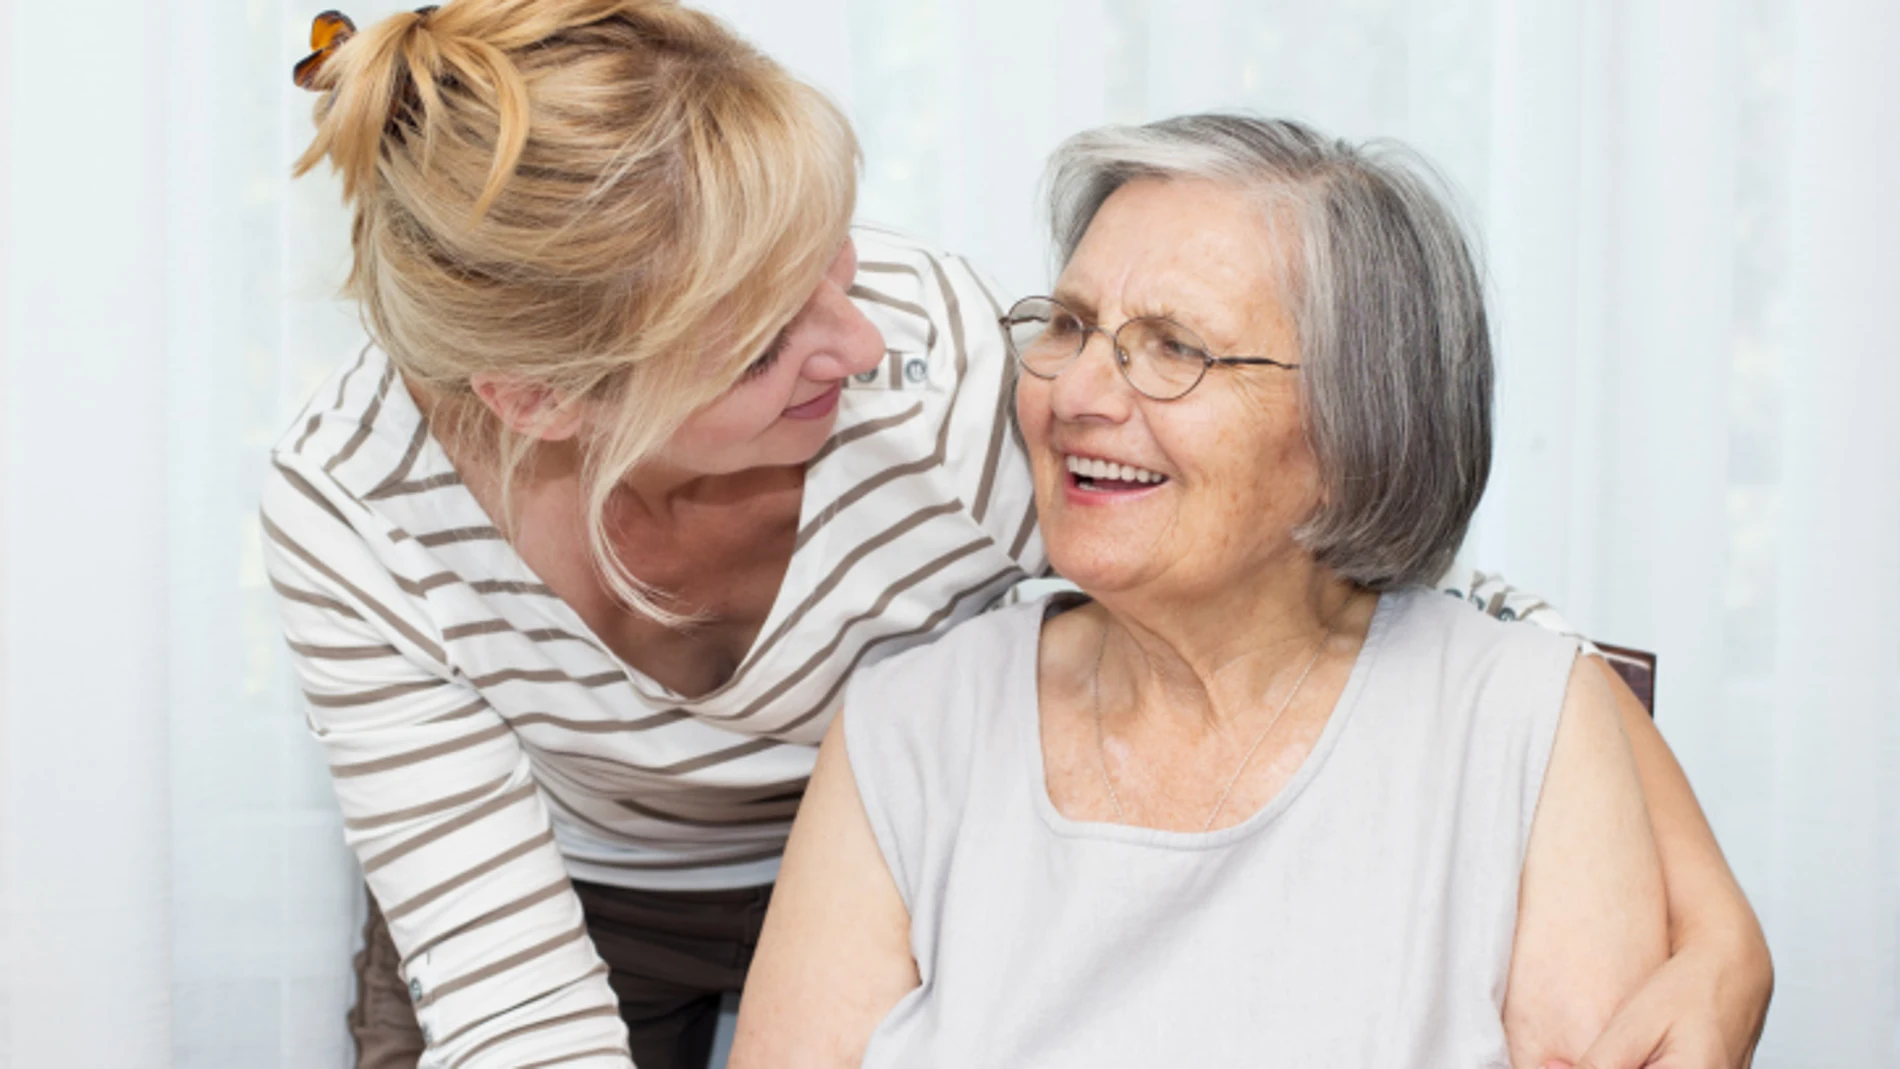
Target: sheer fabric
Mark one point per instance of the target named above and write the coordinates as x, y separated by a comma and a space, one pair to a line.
1694, 254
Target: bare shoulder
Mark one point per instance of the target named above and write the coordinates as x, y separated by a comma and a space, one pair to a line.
1592, 918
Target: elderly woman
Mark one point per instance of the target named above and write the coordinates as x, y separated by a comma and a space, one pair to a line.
1265, 798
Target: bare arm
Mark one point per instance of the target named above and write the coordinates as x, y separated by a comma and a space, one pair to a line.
1592, 918
834, 956
1705, 1007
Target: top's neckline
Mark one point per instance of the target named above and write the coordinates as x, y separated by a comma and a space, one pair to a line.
1036, 767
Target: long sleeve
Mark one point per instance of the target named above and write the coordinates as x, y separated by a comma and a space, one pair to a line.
439, 802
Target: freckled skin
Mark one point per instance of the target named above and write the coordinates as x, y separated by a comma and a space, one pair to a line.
1180, 705
1233, 449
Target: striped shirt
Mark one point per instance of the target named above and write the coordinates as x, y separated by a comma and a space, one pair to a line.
486, 746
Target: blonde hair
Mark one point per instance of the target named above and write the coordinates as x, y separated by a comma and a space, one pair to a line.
612, 200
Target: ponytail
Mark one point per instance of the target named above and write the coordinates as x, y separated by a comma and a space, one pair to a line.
385, 82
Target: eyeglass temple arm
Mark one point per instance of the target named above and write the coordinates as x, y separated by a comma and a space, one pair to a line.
1255, 360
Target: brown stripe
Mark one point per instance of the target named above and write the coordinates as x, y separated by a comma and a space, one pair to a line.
426, 809
483, 533
407, 462
421, 587
510, 586
495, 968
678, 768
420, 486
858, 493
342, 387
831, 696
719, 757
367, 423
649, 812
450, 827
526, 902
894, 361
401, 626
999, 423
954, 307
837, 576
867, 294
371, 697
875, 610
309, 428
500, 627
480, 627
1023, 532
467, 876
291, 593
599, 727
884, 267
538, 1026
548, 675
416, 757
302, 486
864, 430
344, 653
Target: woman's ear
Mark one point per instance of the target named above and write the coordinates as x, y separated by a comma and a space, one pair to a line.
527, 408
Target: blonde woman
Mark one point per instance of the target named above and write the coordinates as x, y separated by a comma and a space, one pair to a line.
651, 451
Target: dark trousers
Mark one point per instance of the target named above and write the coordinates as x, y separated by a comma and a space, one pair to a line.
672, 954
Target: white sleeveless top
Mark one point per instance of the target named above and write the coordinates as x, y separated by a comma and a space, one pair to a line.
1364, 917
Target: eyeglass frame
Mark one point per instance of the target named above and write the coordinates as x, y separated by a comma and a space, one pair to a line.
1122, 359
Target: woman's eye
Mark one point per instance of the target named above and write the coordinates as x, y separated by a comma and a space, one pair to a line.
766, 359
1064, 326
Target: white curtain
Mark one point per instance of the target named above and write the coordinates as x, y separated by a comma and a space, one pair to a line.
1694, 247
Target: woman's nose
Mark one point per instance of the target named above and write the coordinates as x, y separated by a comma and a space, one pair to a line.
850, 344
1092, 385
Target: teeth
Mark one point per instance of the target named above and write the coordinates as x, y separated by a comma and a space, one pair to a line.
1093, 468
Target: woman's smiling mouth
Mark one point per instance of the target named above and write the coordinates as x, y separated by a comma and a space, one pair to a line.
818, 407
1093, 475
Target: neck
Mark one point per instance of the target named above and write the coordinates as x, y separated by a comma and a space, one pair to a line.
1217, 655
658, 493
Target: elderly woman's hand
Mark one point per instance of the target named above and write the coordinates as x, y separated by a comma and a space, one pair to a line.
1703, 1009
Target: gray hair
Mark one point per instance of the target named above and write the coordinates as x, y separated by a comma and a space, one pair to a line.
1396, 374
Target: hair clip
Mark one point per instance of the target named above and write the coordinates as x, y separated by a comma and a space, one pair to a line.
328, 31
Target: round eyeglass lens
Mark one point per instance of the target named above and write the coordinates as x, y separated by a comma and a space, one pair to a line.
1044, 336
1164, 359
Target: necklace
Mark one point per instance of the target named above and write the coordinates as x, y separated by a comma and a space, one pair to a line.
1101, 751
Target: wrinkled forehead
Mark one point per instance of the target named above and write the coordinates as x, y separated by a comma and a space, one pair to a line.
1212, 256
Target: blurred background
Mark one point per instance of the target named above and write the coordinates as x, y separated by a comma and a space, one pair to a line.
1688, 214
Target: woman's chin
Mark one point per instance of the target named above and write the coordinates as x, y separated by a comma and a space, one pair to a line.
1098, 573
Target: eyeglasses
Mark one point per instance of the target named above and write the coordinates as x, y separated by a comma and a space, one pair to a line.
1160, 358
